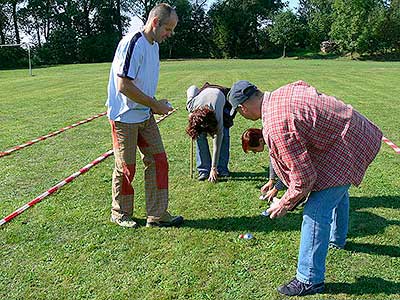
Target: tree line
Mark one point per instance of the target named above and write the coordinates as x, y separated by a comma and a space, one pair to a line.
85, 31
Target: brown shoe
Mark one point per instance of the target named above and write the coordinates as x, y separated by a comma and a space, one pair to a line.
165, 221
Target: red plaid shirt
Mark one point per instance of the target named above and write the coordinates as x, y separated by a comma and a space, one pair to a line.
316, 141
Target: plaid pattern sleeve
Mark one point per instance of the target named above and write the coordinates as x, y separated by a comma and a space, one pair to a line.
298, 165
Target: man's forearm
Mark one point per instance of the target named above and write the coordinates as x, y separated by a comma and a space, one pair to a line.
129, 89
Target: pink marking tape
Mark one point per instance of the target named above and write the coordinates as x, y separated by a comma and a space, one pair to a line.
392, 145
42, 138
65, 181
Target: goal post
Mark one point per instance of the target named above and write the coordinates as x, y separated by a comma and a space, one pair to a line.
29, 53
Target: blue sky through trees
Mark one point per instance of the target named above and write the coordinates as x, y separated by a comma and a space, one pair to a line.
292, 3
136, 22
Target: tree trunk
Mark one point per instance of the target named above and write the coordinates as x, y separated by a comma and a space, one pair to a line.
47, 29
2, 36
15, 21
86, 12
2, 25
148, 5
37, 26
284, 51
118, 20
47, 20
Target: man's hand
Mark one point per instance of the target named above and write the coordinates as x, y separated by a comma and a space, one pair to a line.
266, 187
269, 191
271, 194
160, 107
276, 210
213, 175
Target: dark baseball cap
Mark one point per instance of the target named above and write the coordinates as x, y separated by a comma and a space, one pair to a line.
240, 91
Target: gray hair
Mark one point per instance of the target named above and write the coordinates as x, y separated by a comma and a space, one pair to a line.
163, 11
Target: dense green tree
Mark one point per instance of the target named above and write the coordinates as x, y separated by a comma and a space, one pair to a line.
141, 8
391, 27
316, 15
66, 31
9, 21
351, 18
10, 57
285, 30
200, 32
371, 39
231, 35
35, 20
4, 24
62, 47
13, 57
14, 5
236, 25
192, 34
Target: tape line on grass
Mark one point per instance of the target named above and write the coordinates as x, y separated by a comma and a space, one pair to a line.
392, 145
42, 138
65, 181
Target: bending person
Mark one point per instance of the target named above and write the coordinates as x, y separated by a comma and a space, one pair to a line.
252, 140
210, 116
319, 146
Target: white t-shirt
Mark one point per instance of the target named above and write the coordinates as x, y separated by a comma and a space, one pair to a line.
138, 60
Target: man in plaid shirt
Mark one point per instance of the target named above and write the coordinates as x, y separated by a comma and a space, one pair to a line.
319, 146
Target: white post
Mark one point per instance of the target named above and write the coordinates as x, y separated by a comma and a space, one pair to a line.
29, 60
29, 53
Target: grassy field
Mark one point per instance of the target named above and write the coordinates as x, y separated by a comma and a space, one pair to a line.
65, 247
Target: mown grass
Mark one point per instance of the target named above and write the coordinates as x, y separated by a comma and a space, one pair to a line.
65, 247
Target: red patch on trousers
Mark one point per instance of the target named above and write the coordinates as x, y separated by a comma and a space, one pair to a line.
128, 174
114, 135
161, 170
141, 141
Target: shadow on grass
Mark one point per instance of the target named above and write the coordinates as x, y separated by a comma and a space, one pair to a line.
365, 223
377, 201
319, 56
362, 223
387, 250
364, 285
245, 223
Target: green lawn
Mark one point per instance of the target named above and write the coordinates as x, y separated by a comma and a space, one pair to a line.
66, 248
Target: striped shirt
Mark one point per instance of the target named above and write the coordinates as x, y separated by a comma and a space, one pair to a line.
316, 141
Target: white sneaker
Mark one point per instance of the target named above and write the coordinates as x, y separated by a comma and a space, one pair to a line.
124, 221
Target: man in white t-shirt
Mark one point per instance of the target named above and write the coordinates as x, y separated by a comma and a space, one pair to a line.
131, 105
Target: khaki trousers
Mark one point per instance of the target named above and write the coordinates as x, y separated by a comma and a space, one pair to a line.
127, 138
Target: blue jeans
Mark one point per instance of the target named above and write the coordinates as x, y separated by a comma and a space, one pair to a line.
325, 219
203, 156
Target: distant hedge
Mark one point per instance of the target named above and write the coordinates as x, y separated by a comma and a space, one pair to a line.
13, 58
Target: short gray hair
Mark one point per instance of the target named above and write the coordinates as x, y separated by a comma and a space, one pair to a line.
163, 11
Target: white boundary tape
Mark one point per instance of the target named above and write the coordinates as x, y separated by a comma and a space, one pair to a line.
55, 188
391, 144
